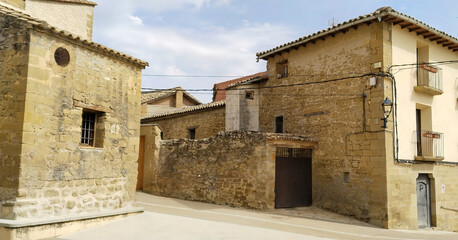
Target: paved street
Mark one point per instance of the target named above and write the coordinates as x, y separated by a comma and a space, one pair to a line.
166, 218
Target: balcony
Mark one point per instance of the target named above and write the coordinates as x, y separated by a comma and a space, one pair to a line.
429, 79
430, 146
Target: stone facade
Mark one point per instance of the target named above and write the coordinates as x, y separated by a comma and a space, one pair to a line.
357, 170
206, 119
78, 18
344, 115
232, 168
46, 171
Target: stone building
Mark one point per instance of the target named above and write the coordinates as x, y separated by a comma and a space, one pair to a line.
69, 122
219, 89
194, 122
328, 88
162, 101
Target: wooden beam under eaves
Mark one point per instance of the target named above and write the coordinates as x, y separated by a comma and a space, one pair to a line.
406, 25
413, 29
398, 22
390, 19
428, 35
435, 38
453, 47
447, 44
422, 32
442, 41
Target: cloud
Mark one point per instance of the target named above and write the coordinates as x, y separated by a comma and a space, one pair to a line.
136, 20
188, 50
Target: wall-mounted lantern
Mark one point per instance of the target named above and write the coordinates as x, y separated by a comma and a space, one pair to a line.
387, 105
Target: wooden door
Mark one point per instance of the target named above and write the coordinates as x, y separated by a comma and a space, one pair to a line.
423, 201
293, 179
141, 163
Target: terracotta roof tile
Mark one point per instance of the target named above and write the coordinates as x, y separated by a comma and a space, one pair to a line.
158, 94
218, 89
185, 110
43, 26
381, 14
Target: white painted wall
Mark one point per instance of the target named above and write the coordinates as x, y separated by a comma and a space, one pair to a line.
444, 107
72, 17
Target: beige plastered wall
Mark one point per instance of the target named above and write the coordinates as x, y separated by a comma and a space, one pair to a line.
242, 113
59, 177
72, 17
401, 178
346, 124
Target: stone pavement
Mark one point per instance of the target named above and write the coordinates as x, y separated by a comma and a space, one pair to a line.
166, 218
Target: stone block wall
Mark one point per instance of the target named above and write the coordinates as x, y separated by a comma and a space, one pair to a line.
207, 123
229, 169
73, 17
14, 48
349, 174
15, 3
402, 195
58, 175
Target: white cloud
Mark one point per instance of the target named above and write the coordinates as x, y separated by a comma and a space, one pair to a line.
136, 20
176, 50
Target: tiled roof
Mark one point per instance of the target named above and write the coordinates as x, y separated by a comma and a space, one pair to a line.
43, 26
158, 94
186, 110
77, 1
218, 89
254, 79
386, 14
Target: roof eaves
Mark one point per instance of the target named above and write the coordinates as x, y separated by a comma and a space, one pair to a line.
186, 110
378, 15
43, 26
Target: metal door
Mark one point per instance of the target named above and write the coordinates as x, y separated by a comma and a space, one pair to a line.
423, 201
293, 177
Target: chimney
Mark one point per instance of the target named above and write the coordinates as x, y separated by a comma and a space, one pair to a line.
179, 99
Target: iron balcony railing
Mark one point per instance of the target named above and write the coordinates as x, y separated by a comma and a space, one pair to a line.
429, 76
430, 144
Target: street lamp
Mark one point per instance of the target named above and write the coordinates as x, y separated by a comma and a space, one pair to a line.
387, 105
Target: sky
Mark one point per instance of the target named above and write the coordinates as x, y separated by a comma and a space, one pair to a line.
212, 41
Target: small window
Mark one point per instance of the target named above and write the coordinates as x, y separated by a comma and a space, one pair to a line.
282, 69
192, 133
162, 135
346, 177
249, 94
62, 57
92, 131
279, 124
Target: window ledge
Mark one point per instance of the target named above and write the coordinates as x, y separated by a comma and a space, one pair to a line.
428, 90
90, 148
428, 158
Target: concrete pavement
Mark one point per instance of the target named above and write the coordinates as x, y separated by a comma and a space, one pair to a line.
166, 218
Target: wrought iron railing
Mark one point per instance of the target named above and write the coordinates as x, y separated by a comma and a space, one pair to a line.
429, 76
430, 144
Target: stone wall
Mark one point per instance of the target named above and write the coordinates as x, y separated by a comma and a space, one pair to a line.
15, 3
59, 176
232, 168
207, 123
349, 176
73, 17
14, 48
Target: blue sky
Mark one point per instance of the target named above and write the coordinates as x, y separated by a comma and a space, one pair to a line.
222, 37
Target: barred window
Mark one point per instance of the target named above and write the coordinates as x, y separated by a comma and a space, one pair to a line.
88, 128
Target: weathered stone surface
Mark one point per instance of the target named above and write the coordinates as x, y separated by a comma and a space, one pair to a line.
207, 124
44, 170
232, 168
